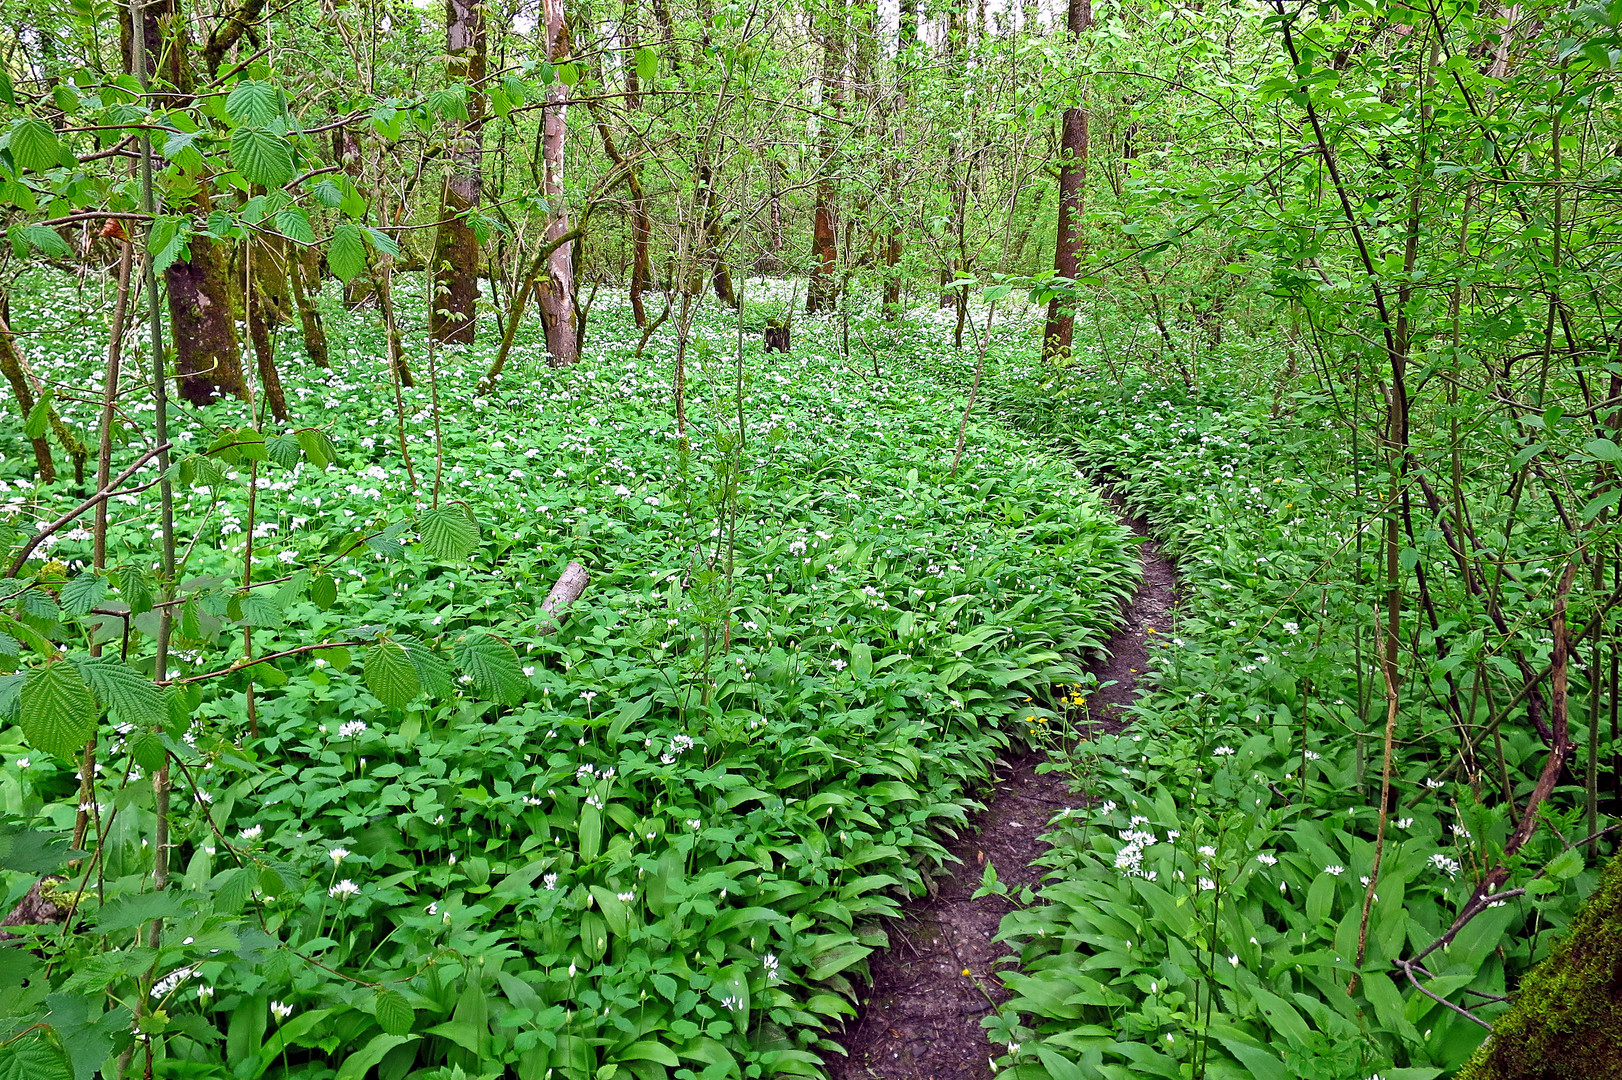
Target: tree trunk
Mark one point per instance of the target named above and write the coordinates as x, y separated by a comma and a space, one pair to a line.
1061, 322
1567, 1017
555, 293
821, 295
315, 333
720, 275
202, 313
641, 223
11, 365
453, 318
266, 284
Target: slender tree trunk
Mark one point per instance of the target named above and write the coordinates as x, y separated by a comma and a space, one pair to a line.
315, 332
11, 365
266, 286
453, 319
822, 294
202, 309
1061, 321
555, 293
641, 223
720, 275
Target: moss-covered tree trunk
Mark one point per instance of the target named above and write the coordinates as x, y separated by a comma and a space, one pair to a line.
315, 332
268, 304
1566, 1022
456, 246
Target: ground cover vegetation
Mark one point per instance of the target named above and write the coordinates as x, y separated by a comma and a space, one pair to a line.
322, 763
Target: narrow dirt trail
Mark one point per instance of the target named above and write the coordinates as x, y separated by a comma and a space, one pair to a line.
921, 1019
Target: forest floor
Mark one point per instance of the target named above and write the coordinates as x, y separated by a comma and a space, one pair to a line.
931, 988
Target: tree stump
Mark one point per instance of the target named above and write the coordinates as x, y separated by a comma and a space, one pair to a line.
777, 338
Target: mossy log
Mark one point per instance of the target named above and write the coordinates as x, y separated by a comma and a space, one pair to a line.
1566, 1021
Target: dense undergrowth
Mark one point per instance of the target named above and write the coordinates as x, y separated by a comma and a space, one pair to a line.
655, 841
1204, 913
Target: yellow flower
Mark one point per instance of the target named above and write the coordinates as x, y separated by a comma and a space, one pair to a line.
965, 972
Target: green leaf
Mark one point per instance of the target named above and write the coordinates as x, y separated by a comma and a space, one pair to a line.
356, 1065
235, 887
432, 670
57, 711
391, 675
450, 102
493, 665
323, 591
82, 593
346, 252
262, 156
38, 421
133, 587
647, 64
34, 146
1603, 449
254, 104
394, 1014
317, 447
568, 74
131, 696
382, 241
294, 224
137, 909
283, 450
448, 533
166, 241
147, 749
30, 851
38, 1055
43, 238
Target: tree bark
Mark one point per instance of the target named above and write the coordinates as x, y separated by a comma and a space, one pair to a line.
453, 319
266, 283
11, 365
555, 293
822, 292
315, 332
570, 584
1059, 331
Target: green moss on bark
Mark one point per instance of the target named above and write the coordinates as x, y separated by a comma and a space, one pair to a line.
1566, 1022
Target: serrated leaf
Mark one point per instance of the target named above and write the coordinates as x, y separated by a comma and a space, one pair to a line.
256, 607
283, 450
36, 1055
294, 224
492, 664
323, 591
383, 242
327, 194
37, 604
234, 889
133, 587
394, 1014
128, 912
449, 102
147, 748
390, 674
10, 646
38, 420
44, 239
261, 156
432, 671
346, 253
57, 711
317, 447
254, 104
34, 145
133, 698
647, 64
29, 851
166, 241
448, 534
82, 593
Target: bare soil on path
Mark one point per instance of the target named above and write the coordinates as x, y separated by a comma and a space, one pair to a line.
921, 1018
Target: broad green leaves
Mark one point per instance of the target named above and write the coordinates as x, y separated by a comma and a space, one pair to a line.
58, 711
449, 533
34, 145
262, 156
346, 252
253, 104
492, 664
391, 675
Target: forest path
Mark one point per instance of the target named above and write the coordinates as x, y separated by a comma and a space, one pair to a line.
921, 1018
